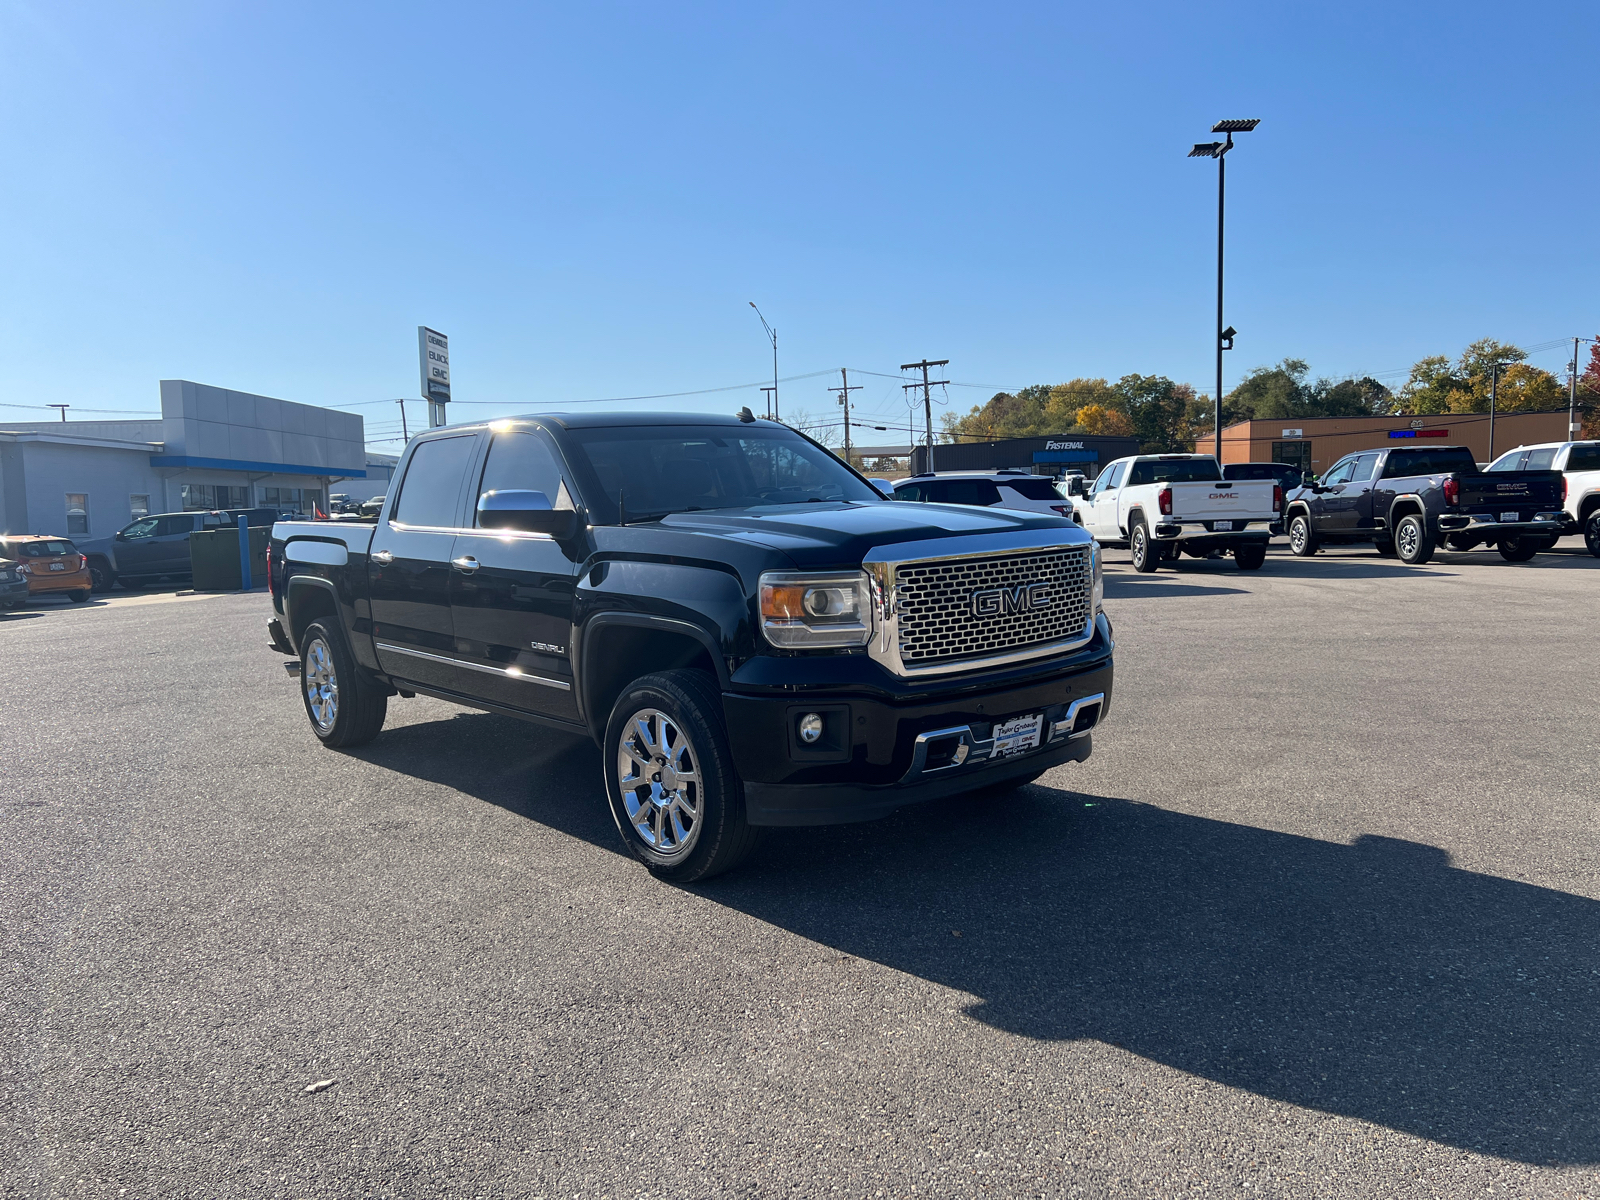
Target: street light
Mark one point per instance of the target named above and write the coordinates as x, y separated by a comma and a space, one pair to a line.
1218, 150
773, 334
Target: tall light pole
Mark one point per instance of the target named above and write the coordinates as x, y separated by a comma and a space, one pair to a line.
1218, 151
773, 334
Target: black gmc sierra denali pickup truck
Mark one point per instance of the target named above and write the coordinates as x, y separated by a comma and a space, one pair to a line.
1407, 501
748, 629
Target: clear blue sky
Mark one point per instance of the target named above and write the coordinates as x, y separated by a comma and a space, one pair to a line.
272, 197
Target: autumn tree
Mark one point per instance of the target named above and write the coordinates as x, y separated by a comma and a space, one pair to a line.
1437, 386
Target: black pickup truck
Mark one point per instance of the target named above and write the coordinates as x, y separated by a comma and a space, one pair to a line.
1406, 502
752, 634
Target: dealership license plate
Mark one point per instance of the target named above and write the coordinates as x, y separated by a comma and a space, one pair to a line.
1222, 526
1017, 735
1508, 516
58, 566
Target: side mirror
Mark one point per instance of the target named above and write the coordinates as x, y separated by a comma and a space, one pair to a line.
120, 536
527, 512
1075, 486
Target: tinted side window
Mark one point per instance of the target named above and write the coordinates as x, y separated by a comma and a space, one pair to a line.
971, 491
520, 461
431, 490
1509, 462
1584, 458
1340, 474
166, 526
911, 491
1034, 489
1540, 460
1363, 469
1117, 472
1430, 462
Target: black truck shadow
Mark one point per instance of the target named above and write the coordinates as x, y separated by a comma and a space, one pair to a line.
1372, 980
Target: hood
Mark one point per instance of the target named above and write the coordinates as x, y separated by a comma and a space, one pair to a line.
820, 536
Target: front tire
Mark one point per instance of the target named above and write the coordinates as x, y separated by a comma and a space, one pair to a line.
345, 707
1413, 543
1302, 539
101, 577
674, 793
1146, 554
1250, 557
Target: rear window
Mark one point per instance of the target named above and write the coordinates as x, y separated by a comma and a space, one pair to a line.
431, 494
1430, 462
1278, 472
50, 549
1585, 457
1174, 470
1034, 488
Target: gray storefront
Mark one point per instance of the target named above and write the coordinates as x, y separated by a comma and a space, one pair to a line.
211, 448
1053, 455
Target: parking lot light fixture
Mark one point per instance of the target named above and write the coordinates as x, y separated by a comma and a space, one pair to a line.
1218, 151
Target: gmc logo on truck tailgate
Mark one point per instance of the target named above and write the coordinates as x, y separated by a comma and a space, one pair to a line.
993, 602
1224, 495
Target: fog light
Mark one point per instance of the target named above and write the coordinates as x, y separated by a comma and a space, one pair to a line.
810, 727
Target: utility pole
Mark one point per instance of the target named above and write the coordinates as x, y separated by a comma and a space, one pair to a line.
404, 434
927, 395
844, 397
1494, 388
62, 407
769, 393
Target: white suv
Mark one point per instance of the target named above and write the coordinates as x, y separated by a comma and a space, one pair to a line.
1579, 464
1016, 490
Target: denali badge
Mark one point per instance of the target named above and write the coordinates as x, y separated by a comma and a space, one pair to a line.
992, 602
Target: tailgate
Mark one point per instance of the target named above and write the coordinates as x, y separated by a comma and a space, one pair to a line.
1495, 490
1249, 499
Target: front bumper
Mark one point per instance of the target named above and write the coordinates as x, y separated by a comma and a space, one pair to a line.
878, 753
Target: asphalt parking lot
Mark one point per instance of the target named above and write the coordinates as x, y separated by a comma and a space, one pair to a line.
1321, 917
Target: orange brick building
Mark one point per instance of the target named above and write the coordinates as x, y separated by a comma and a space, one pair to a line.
1316, 443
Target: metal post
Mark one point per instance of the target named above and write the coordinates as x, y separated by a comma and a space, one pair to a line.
245, 583
404, 434
1494, 387
1222, 169
1572, 395
776, 414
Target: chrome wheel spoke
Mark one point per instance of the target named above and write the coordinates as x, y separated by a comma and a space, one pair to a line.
660, 782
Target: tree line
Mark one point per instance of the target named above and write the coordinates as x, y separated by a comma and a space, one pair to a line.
1169, 417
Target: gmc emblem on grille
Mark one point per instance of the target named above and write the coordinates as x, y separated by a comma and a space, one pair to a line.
1029, 597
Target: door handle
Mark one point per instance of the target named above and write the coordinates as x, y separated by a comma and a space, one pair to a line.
466, 564
382, 557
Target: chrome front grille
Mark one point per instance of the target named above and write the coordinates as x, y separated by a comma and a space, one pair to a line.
956, 609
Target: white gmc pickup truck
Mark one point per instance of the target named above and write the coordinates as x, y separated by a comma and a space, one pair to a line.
1159, 505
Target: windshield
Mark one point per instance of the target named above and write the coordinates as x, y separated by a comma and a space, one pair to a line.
683, 468
1174, 470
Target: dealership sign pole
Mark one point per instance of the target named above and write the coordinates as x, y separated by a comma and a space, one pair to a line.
433, 353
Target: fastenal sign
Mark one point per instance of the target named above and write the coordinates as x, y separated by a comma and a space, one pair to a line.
433, 351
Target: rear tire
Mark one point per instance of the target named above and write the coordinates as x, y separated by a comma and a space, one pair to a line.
79, 597
1302, 538
1146, 554
1250, 557
101, 577
1520, 549
1591, 533
670, 780
1413, 543
346, 708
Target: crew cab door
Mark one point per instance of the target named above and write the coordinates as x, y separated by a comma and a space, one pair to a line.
409, 565
511, 592
1348, 508
1328, 501
1100, 516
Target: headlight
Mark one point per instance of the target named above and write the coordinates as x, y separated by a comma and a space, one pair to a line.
806, 612
1099, 577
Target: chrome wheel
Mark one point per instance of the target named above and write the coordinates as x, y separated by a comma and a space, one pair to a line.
321, 684
1297, 536
659, 773
1406, 539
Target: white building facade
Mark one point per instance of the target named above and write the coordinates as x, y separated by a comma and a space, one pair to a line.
211, 448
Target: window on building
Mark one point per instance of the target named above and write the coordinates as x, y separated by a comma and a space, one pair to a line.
138, 505
1295, 454
298, 500
77, 513
201, 497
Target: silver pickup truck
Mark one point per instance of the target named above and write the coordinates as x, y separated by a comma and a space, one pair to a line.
1161, 505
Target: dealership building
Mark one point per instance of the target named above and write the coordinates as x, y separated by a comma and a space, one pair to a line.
1315, 443
211, 448
1052, 455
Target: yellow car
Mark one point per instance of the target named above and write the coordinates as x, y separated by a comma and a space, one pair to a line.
50, 564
